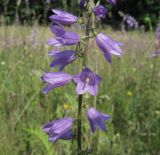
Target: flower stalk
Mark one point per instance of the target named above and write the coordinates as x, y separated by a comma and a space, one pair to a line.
87, 81
79, 132
80, 102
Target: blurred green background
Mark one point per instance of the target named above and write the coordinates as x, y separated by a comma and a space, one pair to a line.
129, 91
27, 11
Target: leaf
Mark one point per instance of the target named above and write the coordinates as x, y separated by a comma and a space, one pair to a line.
44, 139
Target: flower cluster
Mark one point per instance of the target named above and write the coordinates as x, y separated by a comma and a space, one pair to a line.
87, 80
129, 22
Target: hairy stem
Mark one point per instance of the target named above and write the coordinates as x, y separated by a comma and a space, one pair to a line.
79, 132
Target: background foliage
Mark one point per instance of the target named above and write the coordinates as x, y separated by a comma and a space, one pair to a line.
27, 11
129, 92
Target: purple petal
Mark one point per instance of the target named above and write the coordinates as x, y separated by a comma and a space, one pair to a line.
87, 81
67, 135
108, 46
59, 129
58, 30
62, 125
54, 52
76, 78
101, 124
71, 38
59, 19
108, 56
105, 116
53, 138
93, 90
96, 119
100, 11
62, 59
47, 127
81, 88
48, 88
63, 17
56, 79
62, 13
55, 42
115, 46
92, 78
92, 125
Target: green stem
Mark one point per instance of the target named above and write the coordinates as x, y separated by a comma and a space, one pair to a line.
86, 48
79, 132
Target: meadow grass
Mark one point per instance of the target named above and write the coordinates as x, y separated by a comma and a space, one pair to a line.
129, 92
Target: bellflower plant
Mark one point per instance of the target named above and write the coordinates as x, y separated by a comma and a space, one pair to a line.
56, 79
86, 81
100, 11
63, 38
61, 59
63, 17
97, 119
108, 46
59, 129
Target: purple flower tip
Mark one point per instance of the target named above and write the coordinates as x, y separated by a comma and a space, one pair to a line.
97, 119
87, 81
59, 129
63, 38
54, 80
63, 17
100, 11
112, 2
108, 46
61, 59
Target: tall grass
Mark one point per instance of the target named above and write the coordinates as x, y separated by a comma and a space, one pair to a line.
129, 92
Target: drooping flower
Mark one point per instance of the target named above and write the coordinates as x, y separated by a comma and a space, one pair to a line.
108, 46
63, 38
87, 81
63, 17
100, 11
112, 2
56, 79
97, 119
61, 59
59, 129
82, 3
